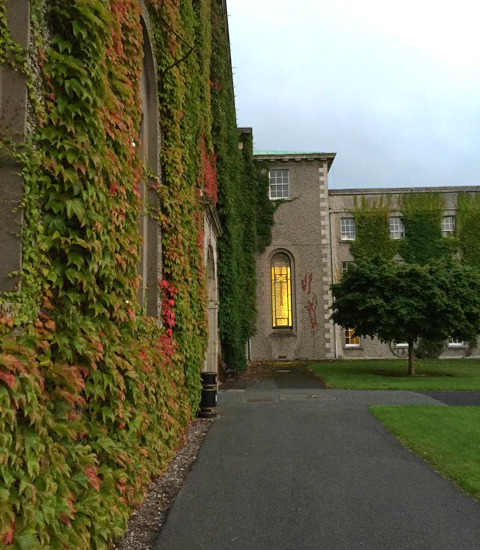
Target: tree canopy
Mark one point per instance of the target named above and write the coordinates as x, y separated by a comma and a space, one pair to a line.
403, 302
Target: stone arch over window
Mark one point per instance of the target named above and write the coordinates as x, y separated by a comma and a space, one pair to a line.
149, 267
281, 269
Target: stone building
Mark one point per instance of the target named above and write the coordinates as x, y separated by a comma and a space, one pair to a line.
16, 121
310, 249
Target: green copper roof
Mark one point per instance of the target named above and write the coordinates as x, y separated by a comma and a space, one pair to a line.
286, 152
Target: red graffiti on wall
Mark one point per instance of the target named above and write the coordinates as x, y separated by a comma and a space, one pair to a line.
311, 305
307, 283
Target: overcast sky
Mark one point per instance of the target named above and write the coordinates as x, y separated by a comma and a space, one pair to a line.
392, 87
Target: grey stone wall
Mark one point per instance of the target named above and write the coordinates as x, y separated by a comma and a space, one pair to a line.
342, 204
13, 123
307, 228
302, 230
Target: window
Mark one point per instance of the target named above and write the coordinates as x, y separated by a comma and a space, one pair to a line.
397, 230
448, 226
455, 343
351, 341
279, 184
401, 345
281, 291
347, 229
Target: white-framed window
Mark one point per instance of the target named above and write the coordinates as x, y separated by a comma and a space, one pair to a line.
397, 231
347, 229
279, 184
351, 340
455, 343
448, 226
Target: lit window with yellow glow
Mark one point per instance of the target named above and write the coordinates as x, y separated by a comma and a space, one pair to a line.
281, 292
351, 340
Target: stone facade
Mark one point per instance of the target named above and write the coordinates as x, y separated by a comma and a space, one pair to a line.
302, 232
213, 231
307, 229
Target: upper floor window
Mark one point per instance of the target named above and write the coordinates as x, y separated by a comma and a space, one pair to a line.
279, 184
397, 230
281, 291
448, 226
347, 229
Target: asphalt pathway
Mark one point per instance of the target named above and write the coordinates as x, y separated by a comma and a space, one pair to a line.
306, 468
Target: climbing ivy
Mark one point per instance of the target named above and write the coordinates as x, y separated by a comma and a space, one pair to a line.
421, 214
239, 187
466, 231
372, 231
93, 393
422, 218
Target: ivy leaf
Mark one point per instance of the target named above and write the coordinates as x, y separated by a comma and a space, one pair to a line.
27, 540
75, 206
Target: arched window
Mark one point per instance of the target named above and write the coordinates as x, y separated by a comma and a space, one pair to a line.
281, 291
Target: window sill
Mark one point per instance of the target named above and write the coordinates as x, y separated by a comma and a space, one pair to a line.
346, 240
352, 346
283, 332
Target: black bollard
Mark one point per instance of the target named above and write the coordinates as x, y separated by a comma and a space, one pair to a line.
208, 403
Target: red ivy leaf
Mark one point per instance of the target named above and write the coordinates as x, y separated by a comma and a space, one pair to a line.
9, 378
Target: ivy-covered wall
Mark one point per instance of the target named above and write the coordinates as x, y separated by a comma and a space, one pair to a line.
245, 211
93, 393
467, 228
422, 215
423, 242
372, 230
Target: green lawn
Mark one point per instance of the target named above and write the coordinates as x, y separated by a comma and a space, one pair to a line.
460, 374
446, 437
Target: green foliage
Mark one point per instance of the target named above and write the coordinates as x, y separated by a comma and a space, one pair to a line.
94, 394
467, 224
423, 242
404, 302
422, 218
372, 231
429, 349
238, 189
265, 209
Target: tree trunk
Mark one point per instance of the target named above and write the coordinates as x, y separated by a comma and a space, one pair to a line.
411, 359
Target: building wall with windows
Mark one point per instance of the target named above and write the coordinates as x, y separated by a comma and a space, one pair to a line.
314, 229
294, 272
341, 207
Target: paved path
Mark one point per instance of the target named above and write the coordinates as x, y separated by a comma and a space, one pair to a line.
456, 398
310, 469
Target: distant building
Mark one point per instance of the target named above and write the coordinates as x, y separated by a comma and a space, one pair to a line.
310, 250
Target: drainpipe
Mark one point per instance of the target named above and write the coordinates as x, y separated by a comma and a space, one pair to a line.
332, 272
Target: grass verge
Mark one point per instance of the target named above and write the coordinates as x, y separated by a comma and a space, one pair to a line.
460, 374
446, 437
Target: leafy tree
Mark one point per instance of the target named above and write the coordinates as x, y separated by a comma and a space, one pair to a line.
403, 302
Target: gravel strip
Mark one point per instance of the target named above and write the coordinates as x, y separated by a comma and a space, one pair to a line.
146, 522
